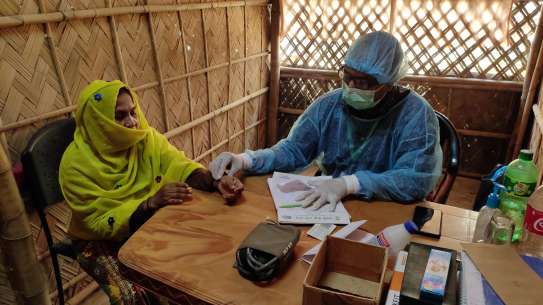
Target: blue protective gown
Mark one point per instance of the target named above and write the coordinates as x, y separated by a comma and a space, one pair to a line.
395, 157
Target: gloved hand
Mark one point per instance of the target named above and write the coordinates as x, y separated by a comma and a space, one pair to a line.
219, 165
329, 192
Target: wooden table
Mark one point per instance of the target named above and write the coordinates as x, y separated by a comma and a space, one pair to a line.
186, 252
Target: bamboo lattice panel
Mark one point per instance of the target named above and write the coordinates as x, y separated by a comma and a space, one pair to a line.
201, 71
439, 40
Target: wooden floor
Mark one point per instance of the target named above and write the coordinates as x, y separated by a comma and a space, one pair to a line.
462, 195
97, 298
463, 192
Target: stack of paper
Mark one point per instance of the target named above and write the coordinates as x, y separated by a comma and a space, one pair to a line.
285, 188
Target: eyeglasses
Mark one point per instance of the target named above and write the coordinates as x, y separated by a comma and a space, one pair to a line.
363, 83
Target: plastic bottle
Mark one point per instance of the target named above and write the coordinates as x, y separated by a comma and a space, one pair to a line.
485, 215
532, 241
395, 238
519, 181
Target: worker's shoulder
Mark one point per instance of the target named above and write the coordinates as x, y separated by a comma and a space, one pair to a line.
413, 101
330, 99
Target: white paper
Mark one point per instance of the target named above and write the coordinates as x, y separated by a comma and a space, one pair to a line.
321, 230
286, 187
471, 283
345, 232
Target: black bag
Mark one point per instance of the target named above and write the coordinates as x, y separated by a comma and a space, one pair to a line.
266, 251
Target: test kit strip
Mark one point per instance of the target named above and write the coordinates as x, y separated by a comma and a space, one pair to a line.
321, 230
434, 280
393, 296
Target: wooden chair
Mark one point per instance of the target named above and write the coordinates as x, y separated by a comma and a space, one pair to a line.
41, 161
450, 144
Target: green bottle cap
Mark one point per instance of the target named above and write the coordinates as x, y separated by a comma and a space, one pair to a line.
526, 155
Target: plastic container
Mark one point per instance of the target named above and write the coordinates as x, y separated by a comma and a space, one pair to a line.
395, 238
482, 226
532, 241
519, 181
501, 228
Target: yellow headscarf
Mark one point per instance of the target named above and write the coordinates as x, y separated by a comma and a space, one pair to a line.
108, 170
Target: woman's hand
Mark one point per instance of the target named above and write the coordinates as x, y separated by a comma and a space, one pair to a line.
169, 194
230, 188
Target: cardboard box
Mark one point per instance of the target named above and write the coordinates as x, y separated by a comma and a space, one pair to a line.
345, 272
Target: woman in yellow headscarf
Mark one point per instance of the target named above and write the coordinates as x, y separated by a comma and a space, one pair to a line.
115, 174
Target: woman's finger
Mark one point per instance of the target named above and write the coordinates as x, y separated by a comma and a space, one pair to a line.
174, 201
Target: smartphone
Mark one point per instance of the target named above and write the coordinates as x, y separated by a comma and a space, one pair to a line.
428, 220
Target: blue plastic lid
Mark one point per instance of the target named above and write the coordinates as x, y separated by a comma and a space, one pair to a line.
410, 226
493, 200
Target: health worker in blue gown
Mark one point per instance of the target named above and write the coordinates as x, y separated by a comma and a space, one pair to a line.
377, 139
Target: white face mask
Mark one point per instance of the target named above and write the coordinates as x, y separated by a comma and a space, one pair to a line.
357, 98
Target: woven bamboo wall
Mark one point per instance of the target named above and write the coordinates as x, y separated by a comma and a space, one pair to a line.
201, 71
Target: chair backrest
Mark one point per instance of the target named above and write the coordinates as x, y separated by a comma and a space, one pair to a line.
41, 161
450, 144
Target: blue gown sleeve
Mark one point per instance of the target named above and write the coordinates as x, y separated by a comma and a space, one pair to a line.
417, 165
294, 152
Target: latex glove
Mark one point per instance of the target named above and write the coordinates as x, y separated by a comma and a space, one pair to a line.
235, 162
329, 192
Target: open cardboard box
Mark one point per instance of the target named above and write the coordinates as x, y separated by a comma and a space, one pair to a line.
345, 272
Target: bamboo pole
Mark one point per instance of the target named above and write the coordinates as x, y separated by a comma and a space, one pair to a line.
69, 109
206, 56
274, 75
215, 67
215, 113
54, 56
19, 20
3, 141
117, 46
200, 71
229, 54
538, 117
189, 93
289, 110
246, 49
532, 84
162, 90
230, 138
485, 134
24, 271
450, 82
392, 16
37, 118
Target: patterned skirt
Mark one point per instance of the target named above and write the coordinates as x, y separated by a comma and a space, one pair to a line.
99, 260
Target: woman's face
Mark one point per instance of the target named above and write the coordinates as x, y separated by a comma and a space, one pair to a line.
125, 111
